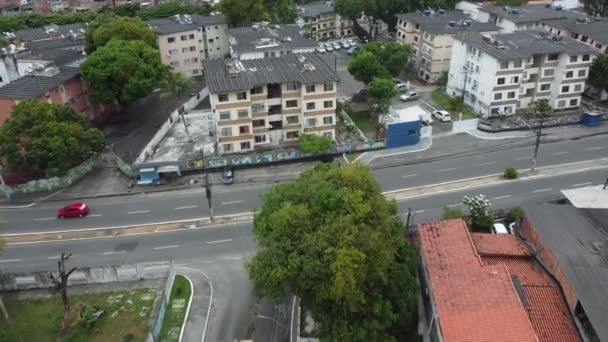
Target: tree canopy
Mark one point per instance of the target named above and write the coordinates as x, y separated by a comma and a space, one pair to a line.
598, 72
365, 67
539, 108
21, 21
123, 71
379, 59
331, 238
283, 12
47, 139
109, 26
310, 143
175, 84
167, 9
239, 12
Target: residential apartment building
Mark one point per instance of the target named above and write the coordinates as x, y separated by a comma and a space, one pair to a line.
588, 30
320, 22
501, 74
430, 35
531, 17
270, 101
262, 41
185, 41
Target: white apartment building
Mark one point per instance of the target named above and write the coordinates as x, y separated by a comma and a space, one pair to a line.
430, 35
588, 30
270, 101
531, 17
320, 22
263, 41
185, 41
501, 74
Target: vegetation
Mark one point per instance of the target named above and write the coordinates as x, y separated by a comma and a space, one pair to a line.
452, 213
452, 104
596, 8
365, 67
598, 72
515, 214
109, 26
315, 144
364, 120
379, 60
375, 10
45, 139
539, 109
241, 13
123, 71
442, 81
381, 91
11, 23
175, 85
283, 12
510, 173
510, 2
331, 238
181, 290
482, 217
167, 9
125, 317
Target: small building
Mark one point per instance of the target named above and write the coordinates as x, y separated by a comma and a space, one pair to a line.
321, 22
262, 41
404, 126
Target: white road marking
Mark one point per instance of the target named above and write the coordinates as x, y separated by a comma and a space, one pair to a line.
407, 176
10, 260
166, 247
450, 169
488, 163
595, 148
418, 211
54, 257
44, 219
93, 215
582, 184
138, 212
233, 202
500, 197
115, 252
542, 190
2, 221
453, 205
209, 262
237, 258
558, 153
187, 207
523, 158
218, 241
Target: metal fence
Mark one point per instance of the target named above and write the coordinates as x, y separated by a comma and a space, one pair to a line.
161, 308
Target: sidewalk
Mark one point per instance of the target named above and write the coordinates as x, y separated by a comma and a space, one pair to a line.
368, 157
202, 292
559, 132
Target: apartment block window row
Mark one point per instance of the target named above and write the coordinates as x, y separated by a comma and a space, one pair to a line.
291, 103
567, 103
311, 122
190, 61
243, 113
328, 87
257, 90
258, 107
310, 88
292, 135
328, 120
222, 97
242, 95
310, 105
328, 104
292, 120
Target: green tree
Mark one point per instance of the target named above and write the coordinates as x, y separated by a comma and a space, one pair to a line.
311, 143
123, 71
32, 20
126, 10
596, 8
480, 209
283, 12
241, 13
391, 55
381, 91
331, 238
109, 26
598, 72
539, 108
452, 213
175, 85
442, 81
167, 9
46, 139
365, 67
375, 10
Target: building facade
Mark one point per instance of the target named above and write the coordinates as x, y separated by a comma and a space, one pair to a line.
320, 22
185, 41
520, 18
504, 73
430, 35
588, 30
271, 101
263, 41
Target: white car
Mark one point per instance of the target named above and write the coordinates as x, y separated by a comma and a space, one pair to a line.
351, 42
329, 48
442, 115
409, 96
402, 87
320, 49
345, 44
336, 46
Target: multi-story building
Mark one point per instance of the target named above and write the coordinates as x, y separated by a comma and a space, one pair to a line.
185, 41
511, 19
262, 41
320, 22
270, 101
588, 30
501, 74
430, 35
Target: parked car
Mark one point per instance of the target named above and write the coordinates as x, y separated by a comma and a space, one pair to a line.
228, 175
352, 50
442, 115
361, 95
351, 42
329, 48
402, 87
499, 228
336, 46
73, 210
345, 44
409, 96
320, 49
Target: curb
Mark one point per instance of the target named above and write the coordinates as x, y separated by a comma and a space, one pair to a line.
394, 154
183, 328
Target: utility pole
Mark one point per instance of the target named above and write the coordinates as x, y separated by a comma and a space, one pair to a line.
606, 183
537, 145
207, 185
466, 77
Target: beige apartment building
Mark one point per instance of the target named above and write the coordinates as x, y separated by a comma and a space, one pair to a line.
430, 35
320, 22
185, 41
270, 101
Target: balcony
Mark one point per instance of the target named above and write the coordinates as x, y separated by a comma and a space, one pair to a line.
274, 91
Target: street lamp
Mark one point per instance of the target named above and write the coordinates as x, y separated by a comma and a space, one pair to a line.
537, 144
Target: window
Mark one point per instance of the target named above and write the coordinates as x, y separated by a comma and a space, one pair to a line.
171, 40
257, 90
573, 59
328, 87
416, 38
183, 37
184, 50
498, 96
243, 113
242, 95
257, 107
494, 111
291, 120
310, 88
172, 52
565, 89
258, 123
578, 88
328, 120
192, 48
329, 135
260, 138
291, 103
328, 104
569, 74
245, 145
500, 81
561, 104
515, 79
243, 129
174, 64
191, 36
504, 65
417, 27
227, 147
311, 122
545, 87
552, 57
226, 131
224, 116
582, 73
586, 58
517, 64
511, 95
293, 135
310, 105
549, 72
574, 102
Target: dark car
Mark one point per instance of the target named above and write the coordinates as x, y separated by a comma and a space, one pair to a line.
228, 176
73, 210
361, 95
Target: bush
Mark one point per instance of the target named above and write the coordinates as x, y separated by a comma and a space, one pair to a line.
515, 214
452, 213
310, 143
510, 173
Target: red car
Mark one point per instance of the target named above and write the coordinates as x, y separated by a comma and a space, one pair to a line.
73, 210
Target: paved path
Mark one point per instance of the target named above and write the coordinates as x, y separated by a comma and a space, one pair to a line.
199, 308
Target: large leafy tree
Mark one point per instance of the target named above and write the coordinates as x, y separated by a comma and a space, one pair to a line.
240, 13
597, 8
365, 67
47, 139
282, 12
123, 71
174, 85
109, 26
598, 72
375, 10
331, 238
381, 91
391, 55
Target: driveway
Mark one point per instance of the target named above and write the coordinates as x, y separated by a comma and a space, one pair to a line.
425, 102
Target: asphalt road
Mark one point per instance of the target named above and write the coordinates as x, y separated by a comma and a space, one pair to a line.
399, 172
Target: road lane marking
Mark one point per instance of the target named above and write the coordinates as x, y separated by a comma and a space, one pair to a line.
3, 221
233, 202
208, 262
44, 219
407, 176
232, 259
138, 212
595, 148
54, 257
10, 260
187, 207
582, 184
450, 169
219, 241
93, 215
453, 205
165, 247
115, 252
488, 163
500, 197
542, 190
418, 211
558, 153
523, 158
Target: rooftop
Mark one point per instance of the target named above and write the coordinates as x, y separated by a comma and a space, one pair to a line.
524, 44
530, 13
315, 9
447, 22
31, 87
181, 23
228, 75
596, 29
262, 38
52, 31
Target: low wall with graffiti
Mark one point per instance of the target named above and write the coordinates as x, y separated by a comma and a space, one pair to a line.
514, 123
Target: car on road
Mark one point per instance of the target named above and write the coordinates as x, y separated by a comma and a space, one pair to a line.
411, 96
228, 175
442, 115
336, 46
360, 96
345, 44
320, 49
352, 50
329, 47
402, 87
73, 210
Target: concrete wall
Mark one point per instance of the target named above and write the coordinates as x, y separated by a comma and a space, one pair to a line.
463, 125
53, 183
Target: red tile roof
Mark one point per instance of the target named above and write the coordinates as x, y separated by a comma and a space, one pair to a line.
529, 273
499, 244
549, 314
474, 302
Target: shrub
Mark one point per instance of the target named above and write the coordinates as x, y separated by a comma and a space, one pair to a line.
515, 214
482, 217
452, 213
510, 173
310, 143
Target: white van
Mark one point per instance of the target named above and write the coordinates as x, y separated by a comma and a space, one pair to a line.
499, 228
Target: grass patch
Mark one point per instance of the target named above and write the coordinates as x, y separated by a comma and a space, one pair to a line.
174, 317
364, 121
441, 99
40, 319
